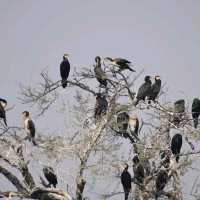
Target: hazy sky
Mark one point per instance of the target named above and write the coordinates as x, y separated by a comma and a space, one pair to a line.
160, 36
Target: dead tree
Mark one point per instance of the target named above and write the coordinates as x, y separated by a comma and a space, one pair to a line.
94, 144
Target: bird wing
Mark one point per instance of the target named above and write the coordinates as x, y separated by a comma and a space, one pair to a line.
121, 61
196, 105
155, 89
104, 104
126, 179
97, 109
31, 124
176, 144
140, 171
31, 127
143, 90
99, 73
64, 69
161, 180
2, 112
50, 175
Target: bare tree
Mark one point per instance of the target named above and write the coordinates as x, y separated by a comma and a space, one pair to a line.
96, 144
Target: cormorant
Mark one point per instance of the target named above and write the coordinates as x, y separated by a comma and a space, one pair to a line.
121, 63
138, 170
99, 73
176, 144
64, 70
196, 111
134, 125
179, 109
3, 104
122, 123
155, 89
126, 181
161, 181
29, 126
50, 176
144, 90
101, 106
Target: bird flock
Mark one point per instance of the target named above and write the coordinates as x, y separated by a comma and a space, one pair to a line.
128, 126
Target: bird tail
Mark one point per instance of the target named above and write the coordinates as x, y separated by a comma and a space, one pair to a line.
156, 196
34, 142
5, 121
136, 102
195, 122
177, 158
64, 83
131, 69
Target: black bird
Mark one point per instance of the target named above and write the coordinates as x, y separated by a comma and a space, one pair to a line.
29, 126
50, 176
138, 170
3, 104
196, 111
126, 181
64, 70
121, 63
144, 90
179, 109
134, 125
101, 106
161, 181
155, 89
99, 73
176, 144
122, 123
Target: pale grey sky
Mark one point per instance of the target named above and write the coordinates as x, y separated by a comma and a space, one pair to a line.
161, 36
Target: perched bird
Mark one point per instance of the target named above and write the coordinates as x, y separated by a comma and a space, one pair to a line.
196, 111
155, 89
122, 122
161, 181
3, 104
121, 63
179, 109
64, 70
134, 125
101, 106
176, 144
144, 90
138, 170
50, 176
126, 181
99, 73
29, 126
